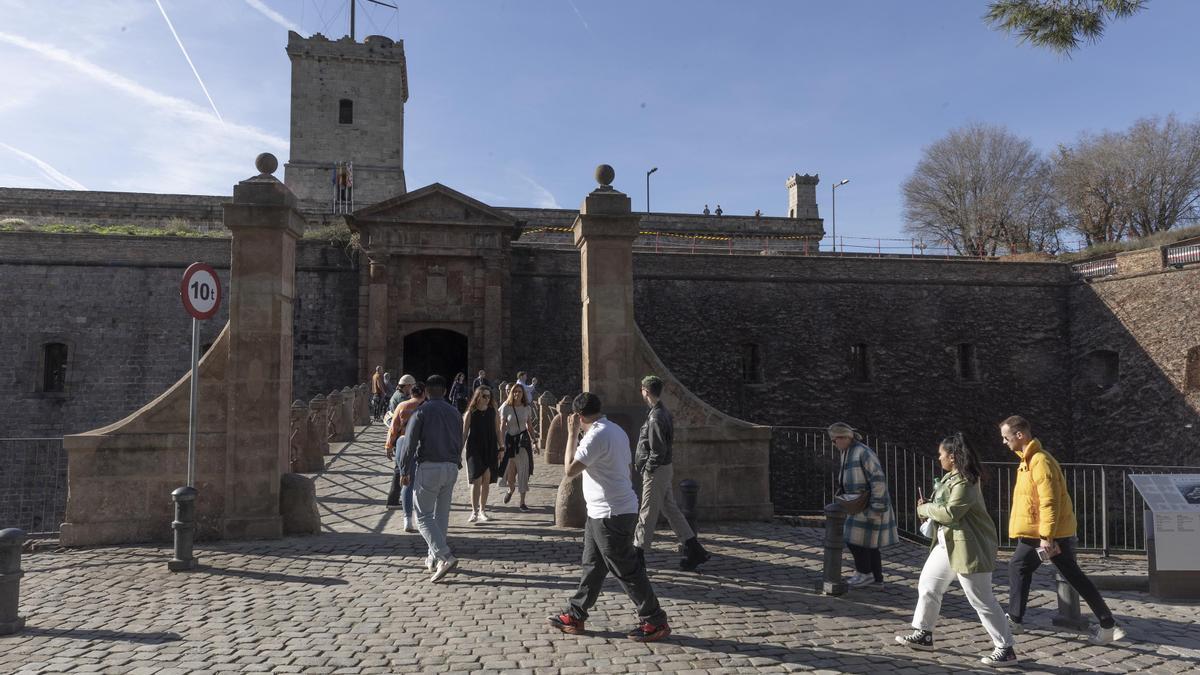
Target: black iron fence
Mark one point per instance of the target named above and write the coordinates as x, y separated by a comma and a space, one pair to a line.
33, 484
1109, 511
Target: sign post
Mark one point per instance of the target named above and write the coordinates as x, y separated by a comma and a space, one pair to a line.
200, 291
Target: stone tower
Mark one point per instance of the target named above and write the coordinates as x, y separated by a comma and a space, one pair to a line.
802, 196
347, 144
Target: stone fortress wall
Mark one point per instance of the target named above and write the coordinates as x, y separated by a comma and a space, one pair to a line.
114, 301
52, 207
764, 338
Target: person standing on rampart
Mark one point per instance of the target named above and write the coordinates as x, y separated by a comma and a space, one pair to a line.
430, 464
1042, 520
603, 457
653, 460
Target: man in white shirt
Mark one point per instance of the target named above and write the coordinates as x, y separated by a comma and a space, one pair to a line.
604, 459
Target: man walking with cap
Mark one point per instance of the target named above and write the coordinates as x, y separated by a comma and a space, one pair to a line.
602, 456
435, 442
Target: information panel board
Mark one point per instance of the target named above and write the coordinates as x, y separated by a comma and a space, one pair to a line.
1174, 502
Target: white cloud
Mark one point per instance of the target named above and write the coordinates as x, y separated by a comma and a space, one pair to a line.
261, 7
58, 178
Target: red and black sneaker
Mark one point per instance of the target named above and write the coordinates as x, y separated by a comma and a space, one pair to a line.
566, 623
648, 632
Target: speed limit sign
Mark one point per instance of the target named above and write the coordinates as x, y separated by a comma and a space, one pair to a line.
200, 291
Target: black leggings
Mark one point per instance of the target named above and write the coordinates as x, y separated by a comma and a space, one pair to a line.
1025, 562
867, 560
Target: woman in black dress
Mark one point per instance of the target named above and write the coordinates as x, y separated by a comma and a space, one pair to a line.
481, 445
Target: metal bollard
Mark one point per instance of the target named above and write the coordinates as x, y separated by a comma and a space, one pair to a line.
1068, 615
689, 492
11, 541
835, 522
185, 529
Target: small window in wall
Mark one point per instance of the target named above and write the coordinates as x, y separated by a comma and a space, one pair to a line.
1101, 369
968, 367
54, 367
1192, 377
860, 367
345, 111
752, 370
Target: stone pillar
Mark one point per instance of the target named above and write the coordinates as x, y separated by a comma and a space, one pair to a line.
318, 417
556, 438
348, 413
333, 406
362, 405
545, 413
298, 434
377, 316
265, 226
604, 234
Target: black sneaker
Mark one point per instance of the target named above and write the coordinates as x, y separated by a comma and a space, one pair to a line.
1001, 656
566, 623
919, 639
525, 508
648, 632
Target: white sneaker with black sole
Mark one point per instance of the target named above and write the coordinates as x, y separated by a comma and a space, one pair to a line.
918, 639
1000, 656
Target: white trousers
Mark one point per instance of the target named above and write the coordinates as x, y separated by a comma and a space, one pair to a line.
936, 576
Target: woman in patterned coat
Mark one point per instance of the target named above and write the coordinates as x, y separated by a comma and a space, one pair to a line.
875, 527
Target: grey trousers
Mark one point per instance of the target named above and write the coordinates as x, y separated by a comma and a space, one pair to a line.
658, 496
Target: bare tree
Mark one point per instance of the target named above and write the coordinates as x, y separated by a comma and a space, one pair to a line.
981, 190
1059, 24
1131, 184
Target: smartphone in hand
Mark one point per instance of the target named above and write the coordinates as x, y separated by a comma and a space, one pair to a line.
1043, 554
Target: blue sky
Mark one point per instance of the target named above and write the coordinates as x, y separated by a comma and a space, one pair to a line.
516, 101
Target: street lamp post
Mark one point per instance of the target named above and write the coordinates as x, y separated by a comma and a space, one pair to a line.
648, 188
833, 190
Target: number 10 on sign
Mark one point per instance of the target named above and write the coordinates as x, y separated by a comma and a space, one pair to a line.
200, 291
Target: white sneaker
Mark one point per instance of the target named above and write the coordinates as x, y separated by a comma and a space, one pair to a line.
1103, 636
443, 568
408, 525
430, 563
483, 517
472, 517
859, 580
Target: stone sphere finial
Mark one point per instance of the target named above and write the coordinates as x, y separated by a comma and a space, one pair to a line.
605, 175
266, 163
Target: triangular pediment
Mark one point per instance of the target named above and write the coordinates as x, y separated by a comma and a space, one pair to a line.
432, 204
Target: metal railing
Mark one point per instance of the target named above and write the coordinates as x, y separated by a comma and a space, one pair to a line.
1095, 268
33, 485
1108, 510
1183, 255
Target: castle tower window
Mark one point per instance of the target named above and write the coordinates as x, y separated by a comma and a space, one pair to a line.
968, 367
860, 367
752, 370
1101, 369
345, 111
1192, 377
54, 367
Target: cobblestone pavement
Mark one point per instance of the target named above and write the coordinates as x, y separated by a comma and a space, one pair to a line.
356, 599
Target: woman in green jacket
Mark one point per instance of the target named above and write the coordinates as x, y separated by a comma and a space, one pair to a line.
963, 546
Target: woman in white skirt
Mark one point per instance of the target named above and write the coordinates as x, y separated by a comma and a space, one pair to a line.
963, 546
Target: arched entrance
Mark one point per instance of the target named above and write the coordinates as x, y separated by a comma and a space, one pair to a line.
435, 351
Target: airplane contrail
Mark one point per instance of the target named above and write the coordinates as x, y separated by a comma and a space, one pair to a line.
189, 59
168, 104
271, 14
48, 171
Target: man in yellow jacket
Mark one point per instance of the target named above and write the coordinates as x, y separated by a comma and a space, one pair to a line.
1042, 521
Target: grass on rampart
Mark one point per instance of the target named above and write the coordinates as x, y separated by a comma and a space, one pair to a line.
334, 234
1114, 247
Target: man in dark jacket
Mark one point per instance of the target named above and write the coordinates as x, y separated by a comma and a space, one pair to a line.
653, 462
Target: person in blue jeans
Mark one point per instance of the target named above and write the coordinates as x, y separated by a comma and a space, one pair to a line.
435, 443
